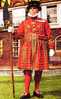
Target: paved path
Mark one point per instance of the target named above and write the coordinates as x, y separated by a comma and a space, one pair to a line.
7, 72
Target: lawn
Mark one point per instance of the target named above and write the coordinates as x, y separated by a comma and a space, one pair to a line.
50, 86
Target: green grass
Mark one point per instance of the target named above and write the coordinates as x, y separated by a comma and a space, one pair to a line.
50, 86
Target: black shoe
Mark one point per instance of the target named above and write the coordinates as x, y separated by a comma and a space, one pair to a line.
37, 95
25, 96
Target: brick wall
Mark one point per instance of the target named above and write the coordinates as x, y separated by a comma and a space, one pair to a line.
5, 59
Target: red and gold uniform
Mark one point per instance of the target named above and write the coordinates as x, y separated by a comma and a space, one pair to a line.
35, 34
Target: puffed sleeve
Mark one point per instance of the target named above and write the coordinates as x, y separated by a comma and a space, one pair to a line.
20, 31
48, 32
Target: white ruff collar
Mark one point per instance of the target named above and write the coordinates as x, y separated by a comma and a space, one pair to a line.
32, 15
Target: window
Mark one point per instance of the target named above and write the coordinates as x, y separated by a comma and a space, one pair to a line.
1, 48
58, 43
15, 45
17, 17
52, 14
1, 18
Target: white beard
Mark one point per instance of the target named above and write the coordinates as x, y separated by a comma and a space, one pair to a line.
32, 15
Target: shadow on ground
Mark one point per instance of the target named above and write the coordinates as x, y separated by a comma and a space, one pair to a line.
55, 93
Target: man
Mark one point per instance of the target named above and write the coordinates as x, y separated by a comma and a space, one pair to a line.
35, 34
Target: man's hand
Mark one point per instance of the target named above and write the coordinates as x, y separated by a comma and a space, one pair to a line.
51, 52
11, 29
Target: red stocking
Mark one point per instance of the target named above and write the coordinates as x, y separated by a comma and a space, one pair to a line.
27, 80
37, 79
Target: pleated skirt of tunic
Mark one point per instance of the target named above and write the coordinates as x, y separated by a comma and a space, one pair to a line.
33, 55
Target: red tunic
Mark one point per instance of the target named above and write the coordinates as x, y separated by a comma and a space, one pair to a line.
33, 52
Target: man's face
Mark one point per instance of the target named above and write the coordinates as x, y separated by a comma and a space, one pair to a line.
33, 11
